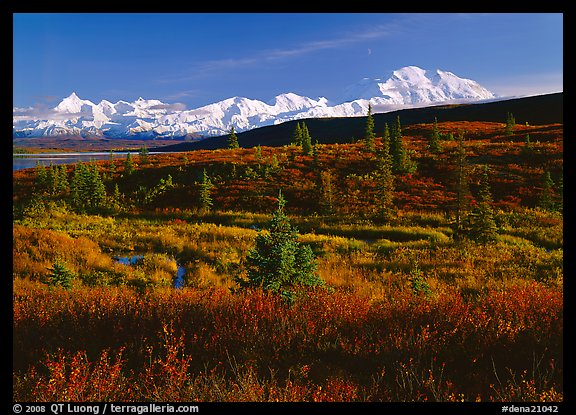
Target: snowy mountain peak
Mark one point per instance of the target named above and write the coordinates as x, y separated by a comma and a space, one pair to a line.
73, 104
412, 85
290, 102
411, 74
409, 86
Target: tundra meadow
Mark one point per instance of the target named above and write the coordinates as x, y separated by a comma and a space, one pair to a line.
419, 263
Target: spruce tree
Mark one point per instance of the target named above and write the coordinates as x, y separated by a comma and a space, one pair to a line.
384, 178
205, 190
117, 198
434, 143
41, 175
112, 168
461, 187
528, 149
306, 140
369, 135
60, 275
258, 151
144, 154
396, 146
97, 190
510, 124
87, 188
52, 179
233, 139
279, 263
327, 192
275, 164
77, 186
315, 154
546, 199
128, 164
62, 182
401, 162
484, 228
297, 136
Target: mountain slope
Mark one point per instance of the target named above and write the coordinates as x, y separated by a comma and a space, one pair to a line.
406, 87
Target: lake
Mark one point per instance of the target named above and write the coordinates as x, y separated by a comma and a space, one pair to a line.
26, 161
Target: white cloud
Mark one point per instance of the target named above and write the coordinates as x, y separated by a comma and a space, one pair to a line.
42, 112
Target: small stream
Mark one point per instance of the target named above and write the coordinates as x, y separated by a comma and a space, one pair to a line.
133, 260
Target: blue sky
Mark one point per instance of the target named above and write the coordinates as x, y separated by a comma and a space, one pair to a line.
199, 58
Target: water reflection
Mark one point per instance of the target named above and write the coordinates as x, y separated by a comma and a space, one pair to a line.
26, 161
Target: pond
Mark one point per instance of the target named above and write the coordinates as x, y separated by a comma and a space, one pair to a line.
133, 260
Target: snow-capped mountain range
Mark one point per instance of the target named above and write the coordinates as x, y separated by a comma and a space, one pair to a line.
407, 87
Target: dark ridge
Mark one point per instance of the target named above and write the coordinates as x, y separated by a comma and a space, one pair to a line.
536, 110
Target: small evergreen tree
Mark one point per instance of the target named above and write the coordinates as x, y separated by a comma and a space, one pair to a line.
162, 187
61, 175
384, 178
484, 228
401, 162
528, 149
369, 135
275, 164
297, 136
527, 143
144, 154
52, 179
315, 151
546, 199
87, 188
111, 166
96, 188
258, 155
233, 139
77, 187
510, 124
279, 263
117, 198
60, 275
327, 192
41, 175
128, 164
461, 186
306, 141
205, 190
434, 144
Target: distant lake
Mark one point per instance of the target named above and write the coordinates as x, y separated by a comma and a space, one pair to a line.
26, 161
